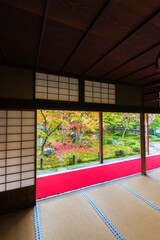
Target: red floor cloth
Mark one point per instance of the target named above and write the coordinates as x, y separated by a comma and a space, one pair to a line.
63, 182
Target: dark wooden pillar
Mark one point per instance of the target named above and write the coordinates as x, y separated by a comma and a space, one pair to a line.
100, 137
147, 133
143, 151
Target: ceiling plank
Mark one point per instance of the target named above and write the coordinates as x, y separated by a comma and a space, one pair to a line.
122, 41
87, 33
151, 75
46, 8
130, 60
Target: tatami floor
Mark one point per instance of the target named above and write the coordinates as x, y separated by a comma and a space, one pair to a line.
127, 208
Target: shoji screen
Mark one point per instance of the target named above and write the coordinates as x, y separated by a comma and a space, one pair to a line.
99, 92
53, 87
17, 149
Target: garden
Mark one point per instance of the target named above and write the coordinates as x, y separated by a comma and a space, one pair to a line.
67, 138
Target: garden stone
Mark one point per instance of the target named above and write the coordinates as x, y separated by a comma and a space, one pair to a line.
48, 151
115, 142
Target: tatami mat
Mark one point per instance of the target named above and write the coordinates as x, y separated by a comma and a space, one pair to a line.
146, 187
155, 174
72, 218
18, 225
131, 216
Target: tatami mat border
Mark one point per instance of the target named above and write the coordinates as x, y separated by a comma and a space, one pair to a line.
142, 198
155, 179
104, 218
37, 224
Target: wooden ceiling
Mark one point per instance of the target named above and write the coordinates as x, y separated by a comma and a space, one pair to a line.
113, 40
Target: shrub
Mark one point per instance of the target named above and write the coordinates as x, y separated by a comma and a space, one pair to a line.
79, 160
118, 134
130, 142
120, 154
115, 138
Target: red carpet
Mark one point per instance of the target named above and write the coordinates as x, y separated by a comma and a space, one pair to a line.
63, 182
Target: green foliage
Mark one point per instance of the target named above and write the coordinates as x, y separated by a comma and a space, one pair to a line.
120, 154
115, 138
130, 142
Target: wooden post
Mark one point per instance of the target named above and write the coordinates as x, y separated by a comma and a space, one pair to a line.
143, 151
147, 133
100, 137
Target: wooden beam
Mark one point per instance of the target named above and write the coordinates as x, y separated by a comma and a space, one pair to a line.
42, 32
100, 137
138, 70
147, 133
122, 41
142, 136
153, 100
86, 33
132, 59
151, 75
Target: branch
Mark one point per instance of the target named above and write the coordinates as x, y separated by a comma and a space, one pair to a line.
45, 121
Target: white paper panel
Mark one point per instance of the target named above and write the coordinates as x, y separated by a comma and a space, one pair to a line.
2, 130
2, 171
2, 163
2, 179
63, 79
14, 114
41, 95
74, 87
14, 122
28, 121
88, 83
27, 144
2, 154
2, 187
2, 122
13, 153
14, 169
27, 152
63, 98
13, 185
53, 90
52, 84
28, 114
28, 174
63, 85
112, 101
41, 89
2, 146
74, 80
52, 77
96, 89
13, 137
52, 96
16, 129
28, 182
41, 82
29, 159
28, 167
13, 177
28, 129
13, 161
13, 145
3, 113
73, 98
111, 91
41, 75
2, 138
63, 91
73, 92
27, 137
